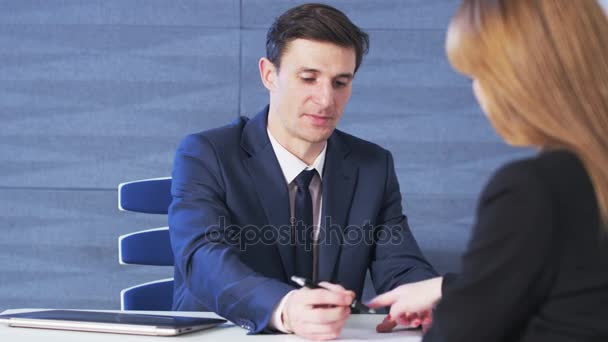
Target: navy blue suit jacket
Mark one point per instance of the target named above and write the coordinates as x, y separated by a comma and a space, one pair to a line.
229, 222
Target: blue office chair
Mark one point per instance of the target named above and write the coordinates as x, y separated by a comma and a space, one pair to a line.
146, 247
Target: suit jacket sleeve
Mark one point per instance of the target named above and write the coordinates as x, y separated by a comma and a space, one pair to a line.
205, 253
506, 269
397, 259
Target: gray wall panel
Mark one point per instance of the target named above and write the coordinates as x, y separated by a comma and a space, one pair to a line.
104, 104
206, 13
85, 161
387, 14
59, 249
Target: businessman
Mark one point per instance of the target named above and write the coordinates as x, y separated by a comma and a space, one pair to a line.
285, 193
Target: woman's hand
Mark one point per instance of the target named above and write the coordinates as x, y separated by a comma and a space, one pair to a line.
410, 304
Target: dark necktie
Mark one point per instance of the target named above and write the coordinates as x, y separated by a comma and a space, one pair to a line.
303, 225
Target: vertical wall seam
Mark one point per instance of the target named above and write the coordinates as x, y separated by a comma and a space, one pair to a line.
240, 61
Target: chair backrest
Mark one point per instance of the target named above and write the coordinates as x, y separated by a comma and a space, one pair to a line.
146, 247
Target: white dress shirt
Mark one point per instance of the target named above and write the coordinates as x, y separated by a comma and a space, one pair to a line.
291, 167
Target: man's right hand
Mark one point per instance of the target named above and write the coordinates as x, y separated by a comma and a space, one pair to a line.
318, 314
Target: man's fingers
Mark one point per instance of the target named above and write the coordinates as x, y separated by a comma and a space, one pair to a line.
331, 287
383, 300
328, 315
318, 314
327, 297
336, 288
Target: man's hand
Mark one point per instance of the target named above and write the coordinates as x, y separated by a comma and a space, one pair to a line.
411, 304
318, 314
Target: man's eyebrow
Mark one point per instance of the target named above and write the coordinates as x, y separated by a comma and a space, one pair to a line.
312, 70
305, 69
346, 75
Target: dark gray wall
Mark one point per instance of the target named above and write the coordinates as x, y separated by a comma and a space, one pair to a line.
99, 92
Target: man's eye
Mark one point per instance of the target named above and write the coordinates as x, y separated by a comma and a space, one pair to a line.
308, 79
340, 84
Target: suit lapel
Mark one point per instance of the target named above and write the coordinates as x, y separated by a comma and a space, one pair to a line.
269, 182
339, 180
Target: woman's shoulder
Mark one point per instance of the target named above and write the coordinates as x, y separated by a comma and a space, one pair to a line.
547, 166
552, 172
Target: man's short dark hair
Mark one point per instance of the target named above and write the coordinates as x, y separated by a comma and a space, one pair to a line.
318, 22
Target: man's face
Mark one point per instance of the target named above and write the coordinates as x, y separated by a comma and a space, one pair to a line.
311, 89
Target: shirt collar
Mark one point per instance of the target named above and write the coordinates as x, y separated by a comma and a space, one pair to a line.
292, 165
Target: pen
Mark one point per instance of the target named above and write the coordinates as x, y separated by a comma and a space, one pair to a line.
355, 305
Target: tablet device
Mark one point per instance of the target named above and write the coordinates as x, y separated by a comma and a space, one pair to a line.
110, 322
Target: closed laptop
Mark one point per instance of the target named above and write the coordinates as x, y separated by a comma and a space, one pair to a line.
110, 322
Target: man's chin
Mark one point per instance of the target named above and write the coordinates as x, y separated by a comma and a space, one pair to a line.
318, 137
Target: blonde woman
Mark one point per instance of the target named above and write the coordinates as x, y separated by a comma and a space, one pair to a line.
536, 267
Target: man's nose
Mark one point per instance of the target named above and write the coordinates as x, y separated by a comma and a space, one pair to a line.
325, 94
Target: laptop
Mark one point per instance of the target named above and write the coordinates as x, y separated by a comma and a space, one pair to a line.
110, 322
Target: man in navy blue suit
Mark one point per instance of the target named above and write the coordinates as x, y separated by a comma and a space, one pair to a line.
285, 193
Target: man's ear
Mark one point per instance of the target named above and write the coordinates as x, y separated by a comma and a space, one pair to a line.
267, 73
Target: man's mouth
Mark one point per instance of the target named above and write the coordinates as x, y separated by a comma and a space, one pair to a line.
319, 120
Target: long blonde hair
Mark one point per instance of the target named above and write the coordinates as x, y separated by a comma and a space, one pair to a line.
543, 68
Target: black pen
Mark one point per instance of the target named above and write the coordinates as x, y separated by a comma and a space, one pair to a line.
356, 305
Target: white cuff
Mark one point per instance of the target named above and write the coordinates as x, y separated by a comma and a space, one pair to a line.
276, 321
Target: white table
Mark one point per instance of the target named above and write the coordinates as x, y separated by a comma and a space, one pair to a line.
359, 327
